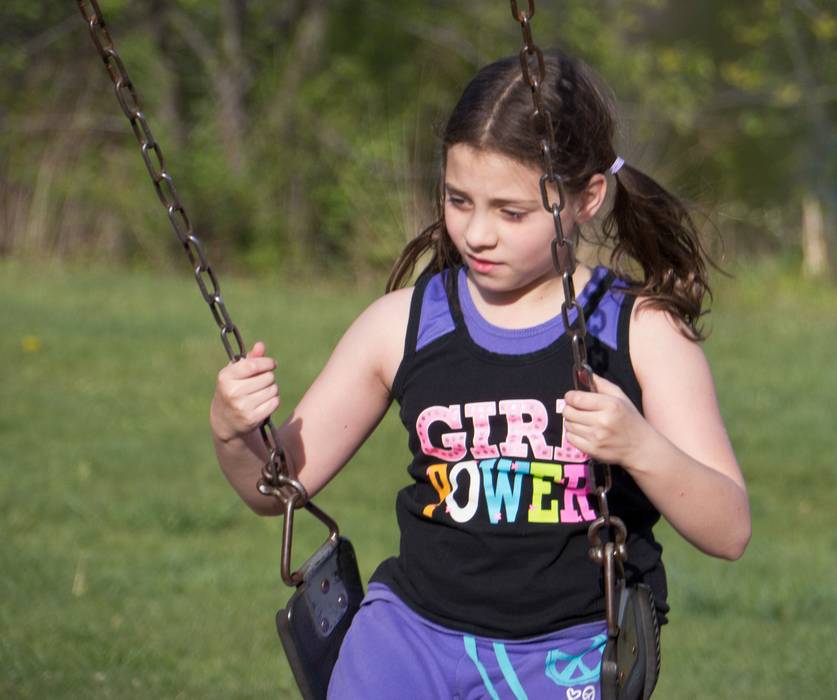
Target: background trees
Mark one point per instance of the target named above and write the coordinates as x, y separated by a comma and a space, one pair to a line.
302, 133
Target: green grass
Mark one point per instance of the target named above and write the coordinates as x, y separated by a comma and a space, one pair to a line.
131, 570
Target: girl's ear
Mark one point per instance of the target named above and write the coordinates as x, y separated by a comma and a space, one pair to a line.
590, 199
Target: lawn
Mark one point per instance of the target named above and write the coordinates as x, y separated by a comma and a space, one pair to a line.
131, 570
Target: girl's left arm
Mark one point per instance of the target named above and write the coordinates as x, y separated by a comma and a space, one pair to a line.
678, 452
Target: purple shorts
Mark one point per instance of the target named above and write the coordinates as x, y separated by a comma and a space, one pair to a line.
392, 652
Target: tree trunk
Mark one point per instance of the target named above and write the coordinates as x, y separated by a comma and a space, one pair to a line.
228, 73
818, 200
232, 82
171, 102
814, 240
305, 53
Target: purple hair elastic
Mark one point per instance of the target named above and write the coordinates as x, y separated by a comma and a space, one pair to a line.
617, 165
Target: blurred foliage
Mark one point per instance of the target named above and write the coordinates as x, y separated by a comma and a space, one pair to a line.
303, 133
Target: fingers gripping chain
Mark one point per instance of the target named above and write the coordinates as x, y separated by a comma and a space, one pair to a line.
275, 478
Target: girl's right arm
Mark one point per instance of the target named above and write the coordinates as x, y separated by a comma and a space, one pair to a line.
336, 415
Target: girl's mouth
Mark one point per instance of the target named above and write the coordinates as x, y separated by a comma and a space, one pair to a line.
479, 265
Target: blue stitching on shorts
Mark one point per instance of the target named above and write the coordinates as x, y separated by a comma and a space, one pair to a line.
471, 650
508, 671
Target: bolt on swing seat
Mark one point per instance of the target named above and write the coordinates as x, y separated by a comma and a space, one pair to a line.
328, 592
315, 620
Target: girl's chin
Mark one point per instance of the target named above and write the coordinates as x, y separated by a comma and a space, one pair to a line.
508, 285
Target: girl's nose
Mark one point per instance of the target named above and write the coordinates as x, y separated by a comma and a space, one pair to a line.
480, 232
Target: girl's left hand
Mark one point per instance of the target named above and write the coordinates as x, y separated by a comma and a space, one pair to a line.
604, 424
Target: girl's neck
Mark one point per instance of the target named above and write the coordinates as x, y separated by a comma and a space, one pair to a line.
525, 307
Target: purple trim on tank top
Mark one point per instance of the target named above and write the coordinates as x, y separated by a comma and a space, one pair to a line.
436, 319
604, 321
518, 341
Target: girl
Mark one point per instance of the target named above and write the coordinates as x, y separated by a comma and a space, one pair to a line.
493, 593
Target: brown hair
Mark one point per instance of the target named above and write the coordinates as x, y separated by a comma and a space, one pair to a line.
647, 224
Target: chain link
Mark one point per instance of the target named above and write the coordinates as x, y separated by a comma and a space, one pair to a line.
611, 549
275, 479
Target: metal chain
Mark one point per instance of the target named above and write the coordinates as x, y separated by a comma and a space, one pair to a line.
275, 478
610, 554
533, 68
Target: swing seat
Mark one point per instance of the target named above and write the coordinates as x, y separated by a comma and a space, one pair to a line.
631, 662
314, 622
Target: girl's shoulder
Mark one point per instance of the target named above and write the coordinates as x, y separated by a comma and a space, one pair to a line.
661, 348
650, 323
390, 310
381, 329
386, 317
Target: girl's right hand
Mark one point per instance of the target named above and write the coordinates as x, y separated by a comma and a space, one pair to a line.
245, 394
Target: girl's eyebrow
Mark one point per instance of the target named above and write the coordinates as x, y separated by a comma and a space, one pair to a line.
495, 202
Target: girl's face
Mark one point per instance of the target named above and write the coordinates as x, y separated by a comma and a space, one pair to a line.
495, 218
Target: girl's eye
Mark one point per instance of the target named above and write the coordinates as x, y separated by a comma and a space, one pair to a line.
514, 215
456, 201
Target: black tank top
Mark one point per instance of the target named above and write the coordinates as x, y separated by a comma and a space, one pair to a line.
494, 524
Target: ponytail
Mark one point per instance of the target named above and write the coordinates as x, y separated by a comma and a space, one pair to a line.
651, 226
433, 239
